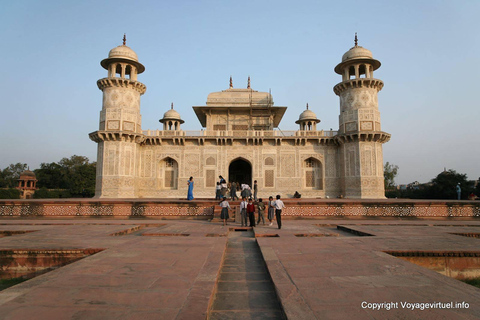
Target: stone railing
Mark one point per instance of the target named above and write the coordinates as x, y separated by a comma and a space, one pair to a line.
239, 133
204, 209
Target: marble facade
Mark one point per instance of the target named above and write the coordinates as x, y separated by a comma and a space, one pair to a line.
240, 140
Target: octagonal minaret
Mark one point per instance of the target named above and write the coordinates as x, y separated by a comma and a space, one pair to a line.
120, 128
360, 136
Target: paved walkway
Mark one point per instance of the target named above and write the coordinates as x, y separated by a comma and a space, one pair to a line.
244, 289
168, 269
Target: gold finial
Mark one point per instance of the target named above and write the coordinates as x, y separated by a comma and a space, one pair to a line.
356, 40
124, 39
172, 106
307, 105
231, 82
248, 84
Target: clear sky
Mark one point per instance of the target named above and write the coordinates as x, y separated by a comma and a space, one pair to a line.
51, 53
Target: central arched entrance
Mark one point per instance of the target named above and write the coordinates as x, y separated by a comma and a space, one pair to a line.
240, 171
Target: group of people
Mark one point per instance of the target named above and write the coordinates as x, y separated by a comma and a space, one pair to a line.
229, 190
247, 208
223, 189
247, 211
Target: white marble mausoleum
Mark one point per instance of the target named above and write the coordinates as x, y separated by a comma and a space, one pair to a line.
240, 139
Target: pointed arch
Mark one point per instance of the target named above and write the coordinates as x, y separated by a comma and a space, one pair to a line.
168, 174
240, 170
313, 173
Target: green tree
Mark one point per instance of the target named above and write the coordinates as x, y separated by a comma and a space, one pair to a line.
9, 175
390, 171
50, 176
75, 174
9, 194
443, 186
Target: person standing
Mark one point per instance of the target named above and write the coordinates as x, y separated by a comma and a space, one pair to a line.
246, 192
233, 191
459, 191
271, 210
261, 210
190, 189
251, 212
279, 206
243, 193
223, 186
217, 192
243, 211
224, 214
255, 190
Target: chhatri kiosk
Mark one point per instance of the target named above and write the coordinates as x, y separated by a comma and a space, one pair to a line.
240, 139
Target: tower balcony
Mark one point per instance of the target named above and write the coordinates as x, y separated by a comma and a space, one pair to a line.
121, 82
358, 83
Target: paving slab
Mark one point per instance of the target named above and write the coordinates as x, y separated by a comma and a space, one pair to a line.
167, 275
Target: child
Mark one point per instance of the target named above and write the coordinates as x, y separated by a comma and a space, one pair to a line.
251, 212
271, 210
243, 211
261, 210
225, 206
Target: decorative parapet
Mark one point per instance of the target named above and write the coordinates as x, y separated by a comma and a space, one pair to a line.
121, 82
240, 133
358, 83
75, 208
254, 137
204, 209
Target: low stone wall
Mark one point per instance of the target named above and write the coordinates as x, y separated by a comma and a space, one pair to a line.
204, 209
95, 208
383, 208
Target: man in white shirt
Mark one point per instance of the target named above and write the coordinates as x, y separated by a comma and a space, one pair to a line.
243, 211
278, 204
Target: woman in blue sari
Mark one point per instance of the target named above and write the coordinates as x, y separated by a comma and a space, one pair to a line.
190, 189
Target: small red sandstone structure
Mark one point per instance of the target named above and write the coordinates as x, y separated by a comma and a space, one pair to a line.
27, 184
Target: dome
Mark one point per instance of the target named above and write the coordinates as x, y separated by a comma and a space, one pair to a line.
307, 115
27, 174
357, 53
123, 53
171, 115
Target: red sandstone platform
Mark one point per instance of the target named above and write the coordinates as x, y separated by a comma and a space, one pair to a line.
167, 269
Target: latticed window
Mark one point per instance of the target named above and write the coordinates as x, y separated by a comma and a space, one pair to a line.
239, 127
269, 178
169, 163
170, 174
220, 127
313, 173
310, 179
210, 178
310, 163
170, 179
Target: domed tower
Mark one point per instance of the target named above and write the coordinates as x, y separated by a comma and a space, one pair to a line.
171, 120
360, 135
120, 130
308, 120
27, 184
